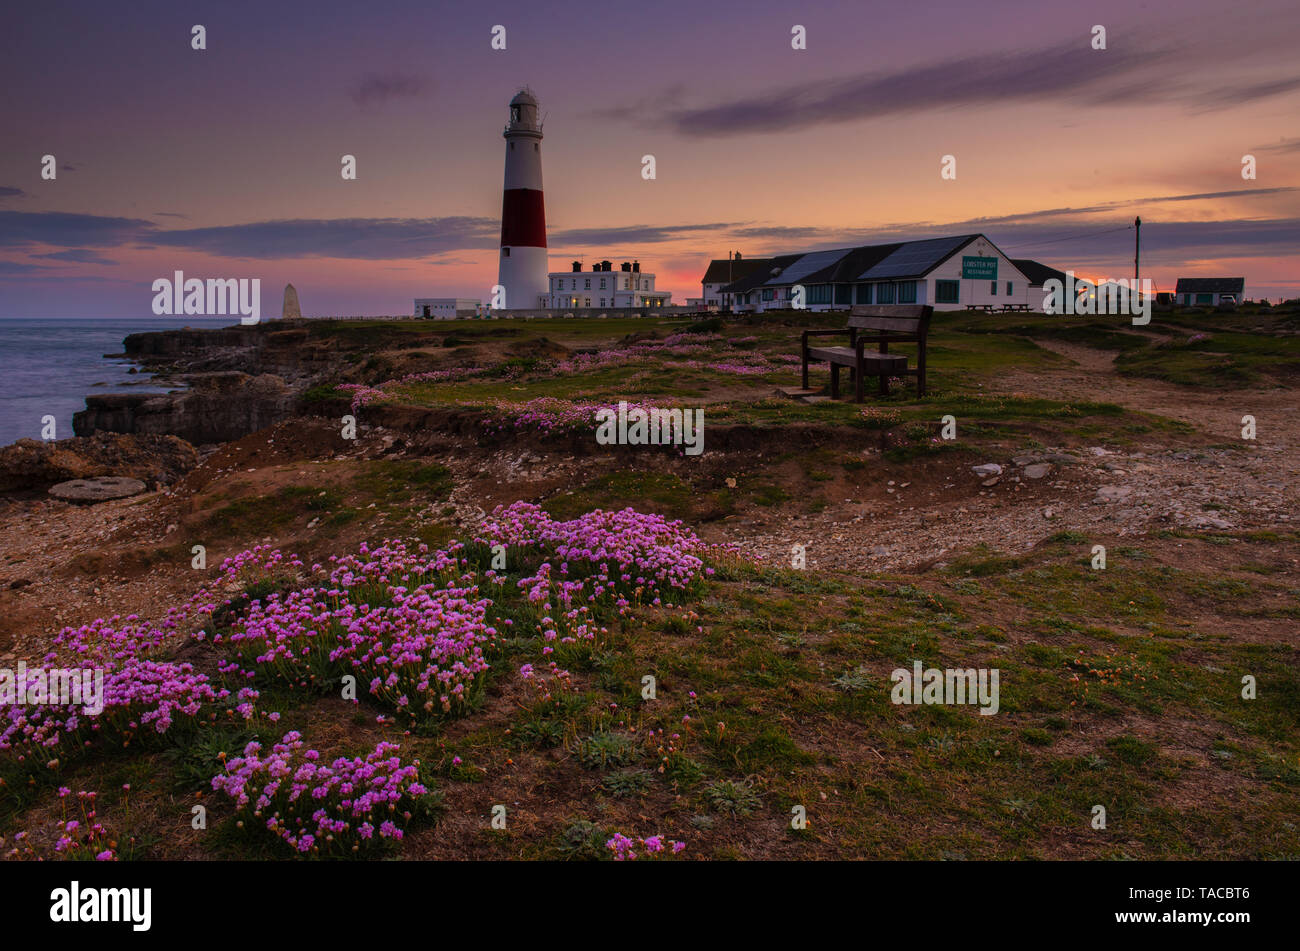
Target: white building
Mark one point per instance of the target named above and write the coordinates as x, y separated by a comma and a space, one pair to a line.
447, 308
950, 273
721, 272
603, 287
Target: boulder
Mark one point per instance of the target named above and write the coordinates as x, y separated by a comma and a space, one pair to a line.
31, 464
1114, 493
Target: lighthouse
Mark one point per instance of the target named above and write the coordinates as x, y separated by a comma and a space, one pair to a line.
523, 213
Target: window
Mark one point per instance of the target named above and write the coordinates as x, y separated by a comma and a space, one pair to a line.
767, 293
843, 293
602, 302
907, 292
819, 294
884, 293
993, 288
505, 252
946, 292
586, 284
602, 283
864, 294
587, 302
1009, 286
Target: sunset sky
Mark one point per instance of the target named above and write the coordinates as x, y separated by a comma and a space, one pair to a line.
225, 162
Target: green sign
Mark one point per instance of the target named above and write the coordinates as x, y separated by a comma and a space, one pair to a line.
981, 269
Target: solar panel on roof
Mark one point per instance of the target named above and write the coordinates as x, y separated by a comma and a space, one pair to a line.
913, 258
809, 264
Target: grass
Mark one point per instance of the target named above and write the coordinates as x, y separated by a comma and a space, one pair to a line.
1120, 688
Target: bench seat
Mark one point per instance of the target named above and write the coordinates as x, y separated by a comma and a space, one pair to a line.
880, 325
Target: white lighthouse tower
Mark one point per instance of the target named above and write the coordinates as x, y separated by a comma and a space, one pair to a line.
523, 271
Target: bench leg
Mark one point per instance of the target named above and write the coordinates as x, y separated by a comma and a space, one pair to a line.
805, 368
920, 372
858, 384
835, 381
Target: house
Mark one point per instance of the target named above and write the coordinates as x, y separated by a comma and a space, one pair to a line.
447, 308
1038, 274
948, 273
603, 287
720, 273
1208, 291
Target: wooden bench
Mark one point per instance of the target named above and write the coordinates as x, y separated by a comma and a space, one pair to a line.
880, 324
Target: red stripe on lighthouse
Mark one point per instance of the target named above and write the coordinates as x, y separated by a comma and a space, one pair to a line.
523, 219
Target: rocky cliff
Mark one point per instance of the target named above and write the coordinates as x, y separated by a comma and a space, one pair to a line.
218, 407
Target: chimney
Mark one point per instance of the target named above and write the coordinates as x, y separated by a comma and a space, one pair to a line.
577, 266
625, 266
636, 267
605, 265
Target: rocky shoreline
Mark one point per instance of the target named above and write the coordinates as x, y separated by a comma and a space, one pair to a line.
233, 381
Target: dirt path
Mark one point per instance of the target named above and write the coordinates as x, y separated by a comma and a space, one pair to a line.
1106, 490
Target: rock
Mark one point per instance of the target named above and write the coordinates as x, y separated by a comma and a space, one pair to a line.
1060, 459
987, 469
30, 464
989, 483
98, 489
1205, 521
220, 407
1113, 493
1038, 470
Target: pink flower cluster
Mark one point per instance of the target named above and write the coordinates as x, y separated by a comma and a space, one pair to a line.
363, 395
625, 551
348, 806
692, 351
83, 838
546, 414
417, 644
139, 695
625, 848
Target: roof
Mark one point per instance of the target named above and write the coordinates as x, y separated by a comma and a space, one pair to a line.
897, 260
722, 270
524, 97
1210, 285
764, 269
1036, 273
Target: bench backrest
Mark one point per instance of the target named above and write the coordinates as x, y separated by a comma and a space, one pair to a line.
895, 318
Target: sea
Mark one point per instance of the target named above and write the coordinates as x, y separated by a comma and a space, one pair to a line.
48, 365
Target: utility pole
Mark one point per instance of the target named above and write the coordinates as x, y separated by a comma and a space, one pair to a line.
1137, 248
